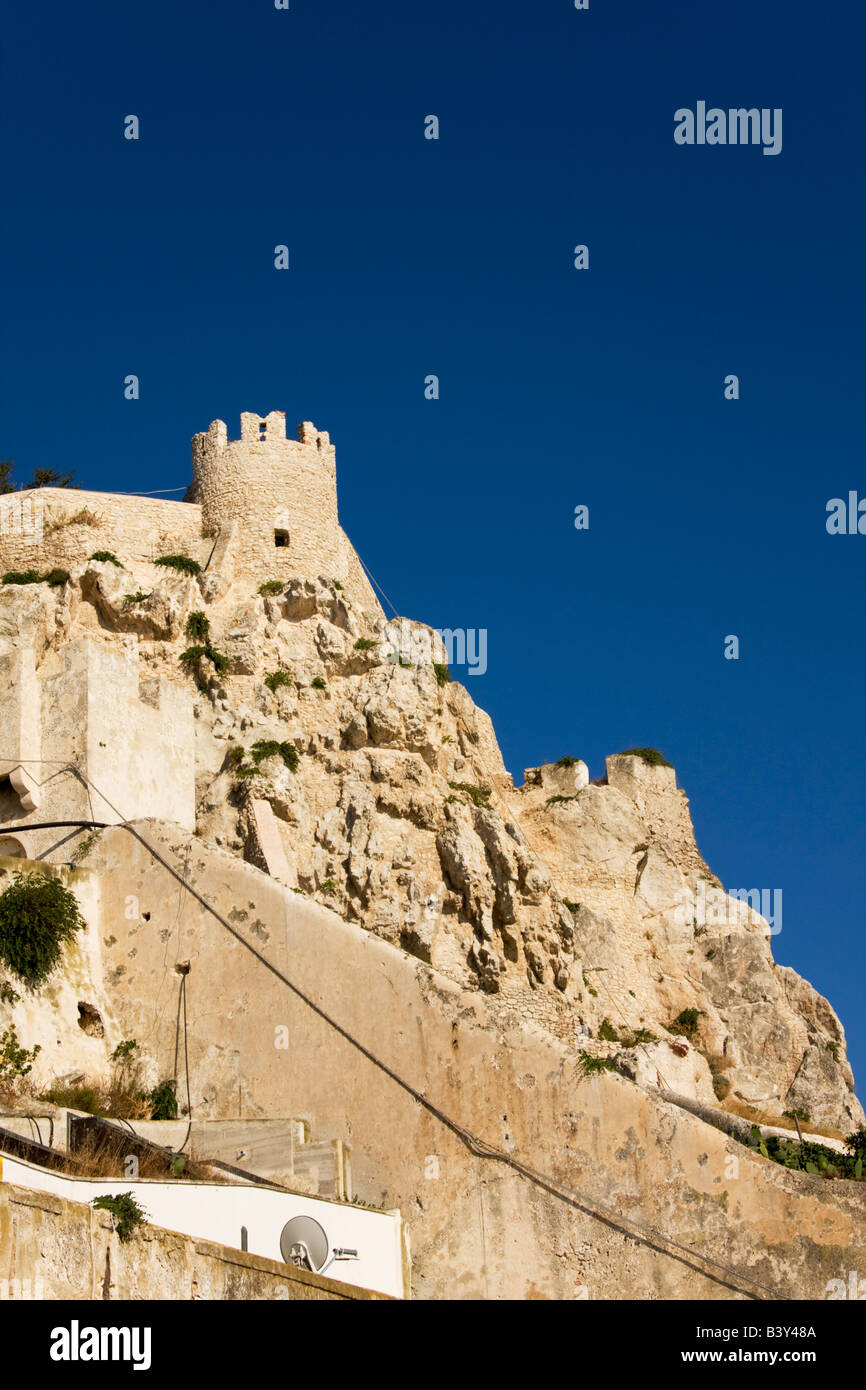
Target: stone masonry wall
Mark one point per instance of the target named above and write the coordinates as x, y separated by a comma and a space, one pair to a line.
51, 526
139, 752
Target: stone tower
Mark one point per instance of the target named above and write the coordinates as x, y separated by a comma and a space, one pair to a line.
277, 497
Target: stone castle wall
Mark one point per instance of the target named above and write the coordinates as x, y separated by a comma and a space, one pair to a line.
49, 526
259, 508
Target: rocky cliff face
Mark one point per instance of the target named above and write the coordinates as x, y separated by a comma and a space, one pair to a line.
327, 755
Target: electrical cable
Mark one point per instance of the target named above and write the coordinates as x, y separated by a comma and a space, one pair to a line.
375, 582
182, 997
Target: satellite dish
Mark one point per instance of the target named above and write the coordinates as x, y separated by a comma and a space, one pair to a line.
304, 1243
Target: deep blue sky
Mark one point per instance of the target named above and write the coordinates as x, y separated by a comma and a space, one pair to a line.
410, 257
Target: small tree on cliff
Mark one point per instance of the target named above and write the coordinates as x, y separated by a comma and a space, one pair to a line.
42, 477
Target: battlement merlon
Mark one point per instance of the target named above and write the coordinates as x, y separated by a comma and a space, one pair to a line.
264, 429
261, 459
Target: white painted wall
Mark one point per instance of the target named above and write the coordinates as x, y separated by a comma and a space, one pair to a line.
211, 1211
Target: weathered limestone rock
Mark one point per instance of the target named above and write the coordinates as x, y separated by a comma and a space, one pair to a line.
566, 902
669, 1066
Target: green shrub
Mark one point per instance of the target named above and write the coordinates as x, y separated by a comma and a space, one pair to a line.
129, 600
106, 557
197, 653
797, 1114
857, 1143
163, 1101
38, 916
441, 672
264, 748
290, 756
607, 1032
317, 683
8, 995
272, 587
54, 577
475, 794
686, 1022
565, 762
197, 626
651, 756
128, 1215
337, 584
49, 477
808, 1156
15, 1061
276, 680
365, 644
125, 1050
573, 908
201, 652
592, 1066
269, 748
641, 1037
182, 563
558, 800
328, 886
85, 1098
22, 577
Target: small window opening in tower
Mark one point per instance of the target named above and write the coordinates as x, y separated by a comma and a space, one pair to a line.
263, 429
281, 538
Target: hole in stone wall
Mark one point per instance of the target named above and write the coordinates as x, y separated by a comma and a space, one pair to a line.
90, 1020
281, 538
